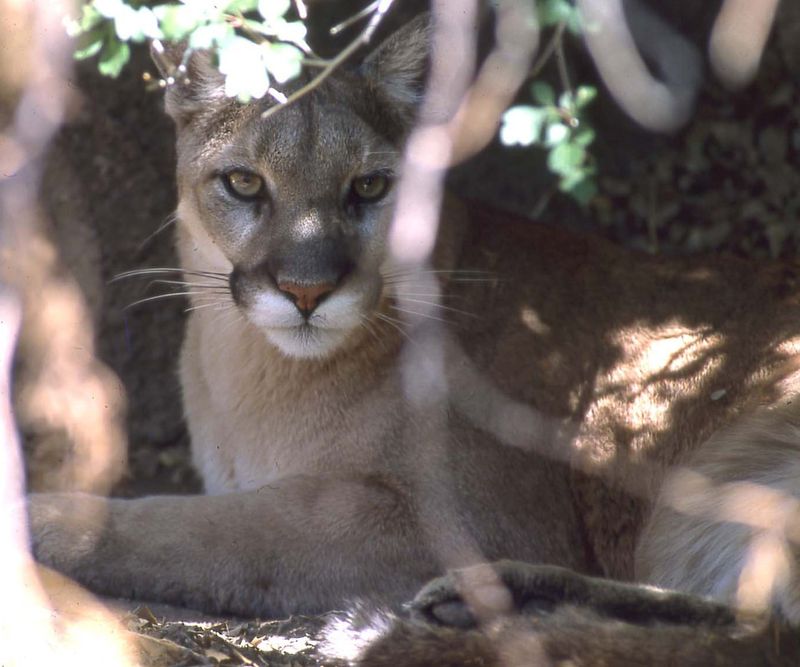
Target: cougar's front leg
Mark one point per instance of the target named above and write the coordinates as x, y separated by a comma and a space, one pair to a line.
302, 544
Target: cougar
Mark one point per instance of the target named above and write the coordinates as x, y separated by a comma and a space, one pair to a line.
576, 376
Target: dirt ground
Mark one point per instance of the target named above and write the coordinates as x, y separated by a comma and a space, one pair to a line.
727, 182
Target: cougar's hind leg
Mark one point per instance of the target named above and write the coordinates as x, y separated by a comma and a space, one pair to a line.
727, 525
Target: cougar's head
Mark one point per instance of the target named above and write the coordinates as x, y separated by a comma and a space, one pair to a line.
295, 206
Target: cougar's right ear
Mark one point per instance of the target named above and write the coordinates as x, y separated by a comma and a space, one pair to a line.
193, 83
397, 69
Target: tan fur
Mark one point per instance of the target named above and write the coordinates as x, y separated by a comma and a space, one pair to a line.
737, 503
576, 374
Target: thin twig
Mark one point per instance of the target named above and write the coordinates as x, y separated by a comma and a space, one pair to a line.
561, 62
315, 62
255, 34
366, 35
355, 18
277, 95
158, 54
548, 50
542, 202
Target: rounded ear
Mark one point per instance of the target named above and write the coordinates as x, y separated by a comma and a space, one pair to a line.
398, 67
193, 82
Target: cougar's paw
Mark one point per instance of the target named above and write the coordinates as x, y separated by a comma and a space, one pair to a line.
66, 527
463, 598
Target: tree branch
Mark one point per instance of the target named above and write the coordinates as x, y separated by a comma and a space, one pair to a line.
381, 7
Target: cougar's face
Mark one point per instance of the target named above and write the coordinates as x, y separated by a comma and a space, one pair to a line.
295, 208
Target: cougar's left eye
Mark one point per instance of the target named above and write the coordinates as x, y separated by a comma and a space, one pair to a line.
370, 188
244, 184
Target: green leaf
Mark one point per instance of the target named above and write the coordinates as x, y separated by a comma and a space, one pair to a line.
90, 43
176, 21
543, 93
565, 158
584, 95
88, 51
241, 6
213, 34
572, 178
584, 137
583, 191
89, 19
272, 10
113, 58
552, 12
109, 8
574, 22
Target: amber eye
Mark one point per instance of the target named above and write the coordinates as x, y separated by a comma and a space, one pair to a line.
370, 188
244, 184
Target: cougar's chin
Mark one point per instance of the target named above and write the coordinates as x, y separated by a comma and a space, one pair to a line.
307, 341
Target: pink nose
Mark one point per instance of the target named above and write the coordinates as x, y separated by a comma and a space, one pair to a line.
306, 297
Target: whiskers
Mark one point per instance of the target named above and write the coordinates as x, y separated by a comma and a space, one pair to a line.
398, 325
366, 323
159, 270
208, 289
416, 294
168, 222
447, 275
424, 304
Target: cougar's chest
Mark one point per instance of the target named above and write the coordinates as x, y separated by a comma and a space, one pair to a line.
253, 419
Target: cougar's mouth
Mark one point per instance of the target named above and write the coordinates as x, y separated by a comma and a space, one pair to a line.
315, 335
306, 341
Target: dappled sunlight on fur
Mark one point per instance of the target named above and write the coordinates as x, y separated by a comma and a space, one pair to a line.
658, 363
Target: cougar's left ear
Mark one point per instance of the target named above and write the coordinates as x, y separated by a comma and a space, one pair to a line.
397, 68
191, 89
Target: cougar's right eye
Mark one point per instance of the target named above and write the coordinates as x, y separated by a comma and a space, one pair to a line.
369, 188
243, 184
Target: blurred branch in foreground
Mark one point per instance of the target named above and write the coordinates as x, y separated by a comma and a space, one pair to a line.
66, 390
459, 116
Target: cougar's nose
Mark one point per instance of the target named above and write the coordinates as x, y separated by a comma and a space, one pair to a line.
306, 297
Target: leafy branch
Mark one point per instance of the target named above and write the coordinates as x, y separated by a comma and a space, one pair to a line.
253, 40
378, 10
259, 43
557, 122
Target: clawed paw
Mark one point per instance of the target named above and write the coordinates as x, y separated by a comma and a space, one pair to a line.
466, 598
